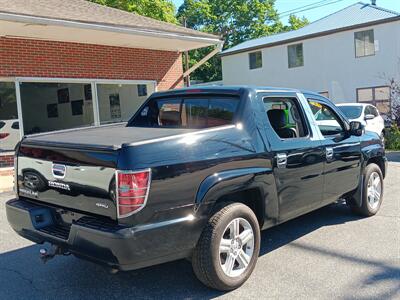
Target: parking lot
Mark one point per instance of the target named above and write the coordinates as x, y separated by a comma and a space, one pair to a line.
326, 254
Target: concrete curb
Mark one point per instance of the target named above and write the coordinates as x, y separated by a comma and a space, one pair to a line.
6, 179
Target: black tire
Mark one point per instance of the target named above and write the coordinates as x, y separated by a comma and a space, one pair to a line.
206, 256
366, 209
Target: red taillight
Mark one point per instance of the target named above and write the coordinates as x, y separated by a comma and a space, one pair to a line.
132, 191
4, 135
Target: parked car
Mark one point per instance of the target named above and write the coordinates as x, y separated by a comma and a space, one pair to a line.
9, 134
196, 173
367, 114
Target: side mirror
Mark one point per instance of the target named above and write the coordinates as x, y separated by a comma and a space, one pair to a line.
369, 117
356, 128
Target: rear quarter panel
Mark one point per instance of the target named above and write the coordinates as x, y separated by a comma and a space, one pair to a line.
179, 167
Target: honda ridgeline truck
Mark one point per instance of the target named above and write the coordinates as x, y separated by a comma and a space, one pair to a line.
195, 173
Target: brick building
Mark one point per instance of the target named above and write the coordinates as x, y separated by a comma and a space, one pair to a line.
67, 64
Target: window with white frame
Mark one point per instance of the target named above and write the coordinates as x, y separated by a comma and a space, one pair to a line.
295, 56
364, 43
49, 106
255, 60
33, 105
118, 102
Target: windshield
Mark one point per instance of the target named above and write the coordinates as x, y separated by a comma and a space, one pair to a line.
193, 112
351, 111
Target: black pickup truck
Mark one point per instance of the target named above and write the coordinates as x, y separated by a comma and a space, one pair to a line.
196, 173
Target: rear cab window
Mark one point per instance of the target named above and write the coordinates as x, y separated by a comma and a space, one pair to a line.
187, 112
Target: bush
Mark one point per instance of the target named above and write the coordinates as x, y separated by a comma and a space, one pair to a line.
392, 138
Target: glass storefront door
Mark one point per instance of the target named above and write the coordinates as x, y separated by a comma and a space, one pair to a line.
55, 106
118, 102
9, 124
49, 106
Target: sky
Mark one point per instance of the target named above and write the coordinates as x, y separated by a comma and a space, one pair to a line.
315, 14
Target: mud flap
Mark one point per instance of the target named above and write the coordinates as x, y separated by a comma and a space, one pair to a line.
358, 194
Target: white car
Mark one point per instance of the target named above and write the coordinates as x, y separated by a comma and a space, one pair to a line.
367, 114
9, 134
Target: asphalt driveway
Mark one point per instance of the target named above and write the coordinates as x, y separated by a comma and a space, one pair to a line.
323, 255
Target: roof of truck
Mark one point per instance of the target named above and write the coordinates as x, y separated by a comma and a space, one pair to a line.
229, 89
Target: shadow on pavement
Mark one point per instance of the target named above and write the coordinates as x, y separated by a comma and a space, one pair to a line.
22, 275
385, 272
285, 233
393, 156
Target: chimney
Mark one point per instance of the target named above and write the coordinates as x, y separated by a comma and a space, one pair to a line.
373, 2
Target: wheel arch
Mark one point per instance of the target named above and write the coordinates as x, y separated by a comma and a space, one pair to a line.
380, 161
240, 185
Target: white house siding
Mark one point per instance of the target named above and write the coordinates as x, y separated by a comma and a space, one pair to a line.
329, 64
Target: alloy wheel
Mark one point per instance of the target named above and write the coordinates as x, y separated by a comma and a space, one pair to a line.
374, 190
236, 247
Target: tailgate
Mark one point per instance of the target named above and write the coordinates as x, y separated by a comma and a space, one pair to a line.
74, 178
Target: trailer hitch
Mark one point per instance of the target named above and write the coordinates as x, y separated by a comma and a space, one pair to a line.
46, 255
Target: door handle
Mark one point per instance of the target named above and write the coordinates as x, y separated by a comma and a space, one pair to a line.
329, 153
281, 160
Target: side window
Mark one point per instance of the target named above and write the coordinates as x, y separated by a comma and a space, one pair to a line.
364, 43
328, 122
15, 125
295, 56
255, 60
370, 110
285, 117
367, 111
374, 111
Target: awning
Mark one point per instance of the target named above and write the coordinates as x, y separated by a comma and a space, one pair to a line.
41, 28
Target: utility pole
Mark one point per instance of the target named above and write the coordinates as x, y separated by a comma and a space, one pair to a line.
187, 79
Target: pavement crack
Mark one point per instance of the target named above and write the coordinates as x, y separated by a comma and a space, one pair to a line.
23, 277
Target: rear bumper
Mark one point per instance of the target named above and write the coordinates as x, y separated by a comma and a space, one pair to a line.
124, 248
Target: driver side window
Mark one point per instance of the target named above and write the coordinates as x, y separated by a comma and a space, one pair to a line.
328, 122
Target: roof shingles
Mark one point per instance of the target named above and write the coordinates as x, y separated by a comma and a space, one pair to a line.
89, 12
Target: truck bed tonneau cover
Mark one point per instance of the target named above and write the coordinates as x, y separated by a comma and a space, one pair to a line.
107, 137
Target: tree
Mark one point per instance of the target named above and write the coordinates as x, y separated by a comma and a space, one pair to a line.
395, 100
296, 23
163, 10
235, 21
